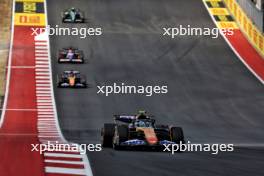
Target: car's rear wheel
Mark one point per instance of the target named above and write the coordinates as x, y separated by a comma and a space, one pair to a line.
177, 135
59, 84
59, 60
121, 135
107, 134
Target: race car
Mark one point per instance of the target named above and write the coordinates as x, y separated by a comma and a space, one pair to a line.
70, 55
72, 15
71, 79
139, 132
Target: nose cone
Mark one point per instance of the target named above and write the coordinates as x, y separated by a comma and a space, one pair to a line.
72, 81
150, 135
152, 140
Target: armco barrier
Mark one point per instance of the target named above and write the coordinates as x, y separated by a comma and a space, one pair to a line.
255, 37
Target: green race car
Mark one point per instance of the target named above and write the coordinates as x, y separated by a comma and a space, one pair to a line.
72, 15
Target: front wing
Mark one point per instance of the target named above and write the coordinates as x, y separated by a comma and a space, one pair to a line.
67, 85
66, 60
142, 143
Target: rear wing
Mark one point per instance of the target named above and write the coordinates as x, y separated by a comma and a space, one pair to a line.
124, 118
67, 48
127, 118
71, 71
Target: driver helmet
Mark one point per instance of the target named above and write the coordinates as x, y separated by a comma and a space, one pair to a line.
140, 124
71, 73
142, 115
73, 9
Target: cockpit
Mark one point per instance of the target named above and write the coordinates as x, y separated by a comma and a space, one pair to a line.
144, 123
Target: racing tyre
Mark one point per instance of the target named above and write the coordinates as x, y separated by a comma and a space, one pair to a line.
59, 85
107, 134
121, 136
58, 81
177, 135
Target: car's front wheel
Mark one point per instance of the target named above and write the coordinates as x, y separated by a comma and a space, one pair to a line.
121, 135
107, 134
177, 135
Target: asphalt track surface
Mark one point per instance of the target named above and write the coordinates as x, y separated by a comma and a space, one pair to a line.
211, 95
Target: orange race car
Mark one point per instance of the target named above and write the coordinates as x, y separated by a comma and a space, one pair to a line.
71, 79
139, 131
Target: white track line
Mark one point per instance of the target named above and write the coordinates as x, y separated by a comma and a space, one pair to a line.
42, 58
42, 66
40, 43
41, 54
42, 73
42, 81
62, 155
63, 162
21, 67
63, 170
18, 109
41, 47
